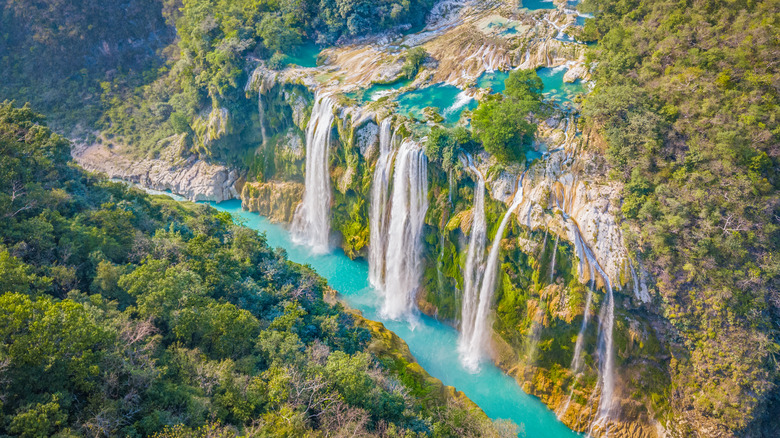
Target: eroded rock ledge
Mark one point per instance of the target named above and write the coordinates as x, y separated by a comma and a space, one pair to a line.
275, 200
190, 177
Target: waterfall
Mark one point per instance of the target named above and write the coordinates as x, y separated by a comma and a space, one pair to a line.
311, 223
403, 261
552, 263
474, 258
479, 338
606, 355
378, 213
605, 347
577, 359
261, 117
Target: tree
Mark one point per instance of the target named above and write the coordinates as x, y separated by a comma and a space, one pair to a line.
414, 60
279, 33
161, 291
16, 276
501, 122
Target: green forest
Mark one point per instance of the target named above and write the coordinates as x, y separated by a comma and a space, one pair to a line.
687, 103
125, 314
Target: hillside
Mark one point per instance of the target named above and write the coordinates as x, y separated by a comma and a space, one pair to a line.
587, 191
127, 314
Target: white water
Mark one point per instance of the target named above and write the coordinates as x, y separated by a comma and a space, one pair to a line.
576, 361
606, 355
475, 345
461, 100
378, 214
552, 263
605, 347
474, 259
311, 223
403, 261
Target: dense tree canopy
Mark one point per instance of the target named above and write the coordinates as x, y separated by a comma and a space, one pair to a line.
501, 122
687, 101
123, 314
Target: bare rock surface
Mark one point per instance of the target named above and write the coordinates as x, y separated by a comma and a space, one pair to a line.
190, 177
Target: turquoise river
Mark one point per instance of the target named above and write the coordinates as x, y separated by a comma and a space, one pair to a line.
433, 343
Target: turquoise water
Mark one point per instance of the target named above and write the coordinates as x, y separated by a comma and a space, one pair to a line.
493, 80
442, 96
580, 20
555, 88
451, 103
552, 78
535, 5
305, 55
376, 91
432, 342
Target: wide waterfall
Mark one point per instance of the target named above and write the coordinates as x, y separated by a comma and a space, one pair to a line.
474, 347
409, 203
378, 213
474, 258
311, 224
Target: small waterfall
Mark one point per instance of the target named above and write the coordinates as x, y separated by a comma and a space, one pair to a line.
311, 223
606, 355
378, 213
261, 117
474, 348
474, 259
605, 347
552, 263
403, 261
576, 361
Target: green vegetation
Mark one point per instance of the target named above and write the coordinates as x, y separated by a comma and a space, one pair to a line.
125, 314
687, 105
55, 53
414, 60
501, 122
118, 69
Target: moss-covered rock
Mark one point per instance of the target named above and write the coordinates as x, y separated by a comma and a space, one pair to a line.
276, 200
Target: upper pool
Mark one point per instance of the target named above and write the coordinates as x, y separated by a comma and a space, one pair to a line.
377, 91
536, 5
554, 87
305, 55
448, 99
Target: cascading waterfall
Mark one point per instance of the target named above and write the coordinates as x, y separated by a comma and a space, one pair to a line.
552, 263
473, 348
606, 355
311, 223
577, 359
605, 348
378, 213
474, 259
403, 258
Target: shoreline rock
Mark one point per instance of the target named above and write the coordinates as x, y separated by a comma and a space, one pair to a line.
190, 177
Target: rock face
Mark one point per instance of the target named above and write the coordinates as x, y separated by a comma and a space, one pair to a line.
559, 197
275, 200
189, 177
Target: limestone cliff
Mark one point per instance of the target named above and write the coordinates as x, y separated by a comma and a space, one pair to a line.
187, 176
275, 200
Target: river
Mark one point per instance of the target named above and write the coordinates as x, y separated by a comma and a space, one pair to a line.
433, 343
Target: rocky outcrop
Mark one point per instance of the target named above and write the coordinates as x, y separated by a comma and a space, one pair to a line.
558, 196
275, 200
190, 177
